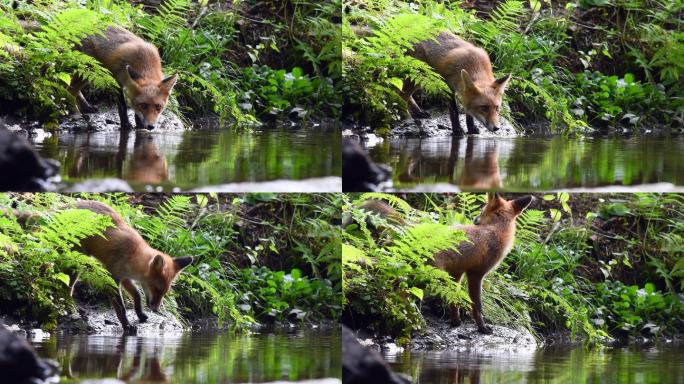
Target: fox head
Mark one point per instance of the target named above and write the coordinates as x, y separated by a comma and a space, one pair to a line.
482, 100
161, 274
147, 98
499, 210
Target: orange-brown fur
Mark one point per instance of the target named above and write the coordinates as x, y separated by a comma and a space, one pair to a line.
148, 164
480, 173
468, 72
136, 66
488, 241
128, 257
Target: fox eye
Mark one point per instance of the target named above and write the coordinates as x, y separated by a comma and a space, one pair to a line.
143, 106
158, 107
484, 108
497, 108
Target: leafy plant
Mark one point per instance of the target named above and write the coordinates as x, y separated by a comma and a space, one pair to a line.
39, 267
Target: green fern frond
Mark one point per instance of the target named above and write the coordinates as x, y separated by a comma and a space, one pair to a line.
392, 200
527, 228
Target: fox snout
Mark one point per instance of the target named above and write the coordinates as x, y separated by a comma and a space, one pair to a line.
146, 122
154, 304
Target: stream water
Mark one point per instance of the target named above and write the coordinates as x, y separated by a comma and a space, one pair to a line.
534, 163
547, 365
191, 159
197, 357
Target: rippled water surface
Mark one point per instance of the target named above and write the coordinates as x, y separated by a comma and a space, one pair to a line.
547, 365
534, 163
197, 358
191, 159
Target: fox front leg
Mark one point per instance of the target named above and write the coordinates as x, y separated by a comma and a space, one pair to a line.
453, 115
118, 304
475, 292
137, 299
470, 124
123, 113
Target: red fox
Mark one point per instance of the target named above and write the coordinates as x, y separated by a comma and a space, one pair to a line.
128, 257
489, 241
136, 66
468, 72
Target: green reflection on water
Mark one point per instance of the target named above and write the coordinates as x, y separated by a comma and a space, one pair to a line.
197, 358
197, 158
548, 365
533, 163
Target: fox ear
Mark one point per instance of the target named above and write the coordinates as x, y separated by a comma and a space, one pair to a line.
168, 83
467, 81
157, 264
502, 82
132, 73
493, 196
182, 262
520, 204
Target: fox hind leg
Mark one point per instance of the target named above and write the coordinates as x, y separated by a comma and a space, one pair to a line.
118, 304
137, 299
75, 87
475, 292
407, 94
454, 316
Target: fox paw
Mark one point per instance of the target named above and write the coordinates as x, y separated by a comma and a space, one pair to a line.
126, 125
142, 317
485, 330
455, 322
129, 329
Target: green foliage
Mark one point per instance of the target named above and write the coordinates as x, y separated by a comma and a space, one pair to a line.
38, 64
610, 100
277, 91
637, 310
385, 280
376, 65
281, 296
39, 267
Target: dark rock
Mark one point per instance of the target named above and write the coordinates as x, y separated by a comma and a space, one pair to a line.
21, 168
108, 121
440, 335
103, 321
364, 366
19, 362
440, 125
359, 173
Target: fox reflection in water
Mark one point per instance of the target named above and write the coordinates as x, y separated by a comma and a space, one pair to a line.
144, 367
480, 170
146, 165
